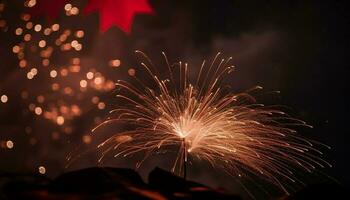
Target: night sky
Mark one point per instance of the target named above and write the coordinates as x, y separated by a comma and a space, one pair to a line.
299, 48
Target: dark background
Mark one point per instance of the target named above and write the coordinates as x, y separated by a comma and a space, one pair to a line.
297, 47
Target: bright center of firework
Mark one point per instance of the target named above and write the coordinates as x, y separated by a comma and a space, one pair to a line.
181, 133
183, 128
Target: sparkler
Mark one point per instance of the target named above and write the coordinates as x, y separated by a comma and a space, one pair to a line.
203, 119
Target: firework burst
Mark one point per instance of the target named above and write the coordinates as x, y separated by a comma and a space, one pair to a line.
202, 119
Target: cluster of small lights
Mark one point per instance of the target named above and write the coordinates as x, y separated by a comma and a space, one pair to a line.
32, 73
55, 92
62, 111
44, 41
57, 114
71, 10
40, 42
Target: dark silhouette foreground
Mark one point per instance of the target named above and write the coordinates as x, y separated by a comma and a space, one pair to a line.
106, 183
126, 184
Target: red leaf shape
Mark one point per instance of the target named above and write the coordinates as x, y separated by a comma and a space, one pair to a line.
118, 12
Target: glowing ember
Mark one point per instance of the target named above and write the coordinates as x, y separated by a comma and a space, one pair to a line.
42, 170
4, 98
9, 144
